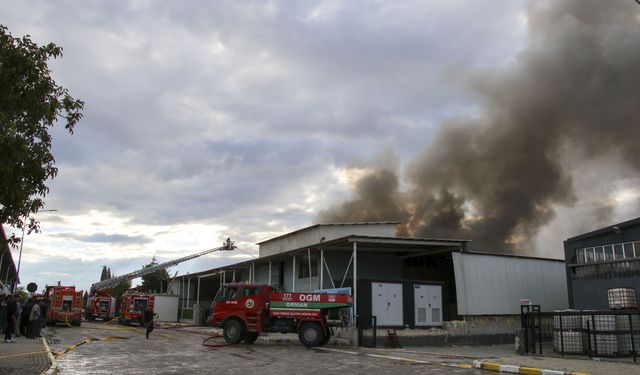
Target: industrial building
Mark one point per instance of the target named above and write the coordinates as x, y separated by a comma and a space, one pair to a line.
8, 272
403, 282
601, 260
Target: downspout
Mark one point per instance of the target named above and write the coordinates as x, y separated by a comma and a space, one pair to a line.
355, 280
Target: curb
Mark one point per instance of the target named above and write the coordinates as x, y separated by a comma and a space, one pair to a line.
492, 366
54, 365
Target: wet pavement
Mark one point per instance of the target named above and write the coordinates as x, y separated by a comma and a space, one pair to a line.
171, 351
96, 348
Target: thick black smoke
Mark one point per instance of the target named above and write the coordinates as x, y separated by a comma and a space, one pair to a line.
573, 91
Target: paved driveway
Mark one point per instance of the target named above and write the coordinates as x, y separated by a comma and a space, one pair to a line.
172, 351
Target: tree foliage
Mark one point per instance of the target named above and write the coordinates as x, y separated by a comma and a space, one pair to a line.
156, 281
30, 104
106, 273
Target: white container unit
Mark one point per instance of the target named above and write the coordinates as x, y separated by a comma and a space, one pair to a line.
428, 305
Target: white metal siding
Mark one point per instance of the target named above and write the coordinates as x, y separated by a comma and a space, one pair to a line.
494, 285
322, 233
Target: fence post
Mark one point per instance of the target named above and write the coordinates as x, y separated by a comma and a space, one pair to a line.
633, 345
595, 336
561, 337
589, 337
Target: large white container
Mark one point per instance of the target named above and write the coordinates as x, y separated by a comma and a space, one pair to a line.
569, 322
622, 298
166, 307
599, 323
604, 345
572, 342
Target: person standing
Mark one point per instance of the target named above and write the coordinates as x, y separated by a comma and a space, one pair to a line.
16, 315
11, 312
34, 320
3, 312
148, 320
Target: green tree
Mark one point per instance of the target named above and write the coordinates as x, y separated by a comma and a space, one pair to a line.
30, 104
106, 273
156, 281
24, 295
118, 291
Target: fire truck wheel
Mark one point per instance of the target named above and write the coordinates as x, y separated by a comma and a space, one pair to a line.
233, 331
310, 334
326, 337
251, 337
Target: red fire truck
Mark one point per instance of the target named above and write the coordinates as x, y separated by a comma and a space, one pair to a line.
100, 305
133, 305
65, 305
245, 310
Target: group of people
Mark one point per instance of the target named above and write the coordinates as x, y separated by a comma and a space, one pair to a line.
21, 318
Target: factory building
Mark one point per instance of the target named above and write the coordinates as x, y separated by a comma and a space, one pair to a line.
411, 283
601, 260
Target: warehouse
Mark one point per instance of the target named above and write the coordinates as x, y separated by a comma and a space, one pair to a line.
403, 282
600, 260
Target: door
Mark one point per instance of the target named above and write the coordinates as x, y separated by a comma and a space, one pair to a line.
428, 304
386, 303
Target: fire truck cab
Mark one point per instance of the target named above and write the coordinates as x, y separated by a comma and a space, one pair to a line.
65, 305
100, 306
133, 306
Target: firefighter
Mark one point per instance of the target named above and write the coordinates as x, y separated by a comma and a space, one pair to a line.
148, 320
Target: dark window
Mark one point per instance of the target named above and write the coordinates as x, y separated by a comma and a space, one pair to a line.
303, 271
608, 252
617, 250
628, 250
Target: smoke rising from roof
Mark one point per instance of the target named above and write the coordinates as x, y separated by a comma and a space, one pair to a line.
571, 96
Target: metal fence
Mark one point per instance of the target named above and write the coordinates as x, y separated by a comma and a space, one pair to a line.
367, 331
611, 333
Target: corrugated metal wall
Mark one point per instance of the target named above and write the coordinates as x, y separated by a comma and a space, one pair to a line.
494, 285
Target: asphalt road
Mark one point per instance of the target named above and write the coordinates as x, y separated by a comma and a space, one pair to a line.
171, 351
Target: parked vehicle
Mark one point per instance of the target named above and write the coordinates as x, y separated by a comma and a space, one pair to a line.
133, 305
65, 305
245, 310
100, 305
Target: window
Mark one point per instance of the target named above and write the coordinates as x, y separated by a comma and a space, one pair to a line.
636, 245
628, 250
580, 256
590, 255
303, 271
618, 251
608, 252
599, 254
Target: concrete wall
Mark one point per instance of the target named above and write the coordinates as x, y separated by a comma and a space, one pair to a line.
474, 330
323, 233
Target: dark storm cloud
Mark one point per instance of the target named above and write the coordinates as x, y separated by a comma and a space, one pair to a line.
116, 239
497, 178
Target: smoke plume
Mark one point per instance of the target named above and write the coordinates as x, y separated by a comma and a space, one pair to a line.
496, 179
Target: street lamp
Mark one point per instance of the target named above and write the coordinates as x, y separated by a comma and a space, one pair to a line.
15, 285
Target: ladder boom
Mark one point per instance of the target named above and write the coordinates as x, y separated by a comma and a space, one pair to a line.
109, 283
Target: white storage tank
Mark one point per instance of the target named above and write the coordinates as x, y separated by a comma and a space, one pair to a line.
622, 298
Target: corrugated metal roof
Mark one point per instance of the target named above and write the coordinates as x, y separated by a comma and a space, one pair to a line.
328, 225
605, 230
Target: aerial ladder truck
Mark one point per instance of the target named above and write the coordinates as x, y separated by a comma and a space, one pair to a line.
133, 304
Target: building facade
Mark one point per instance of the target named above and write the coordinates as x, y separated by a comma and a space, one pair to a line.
403, 282
600, 260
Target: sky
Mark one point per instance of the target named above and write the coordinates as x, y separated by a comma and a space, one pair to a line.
251, 119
